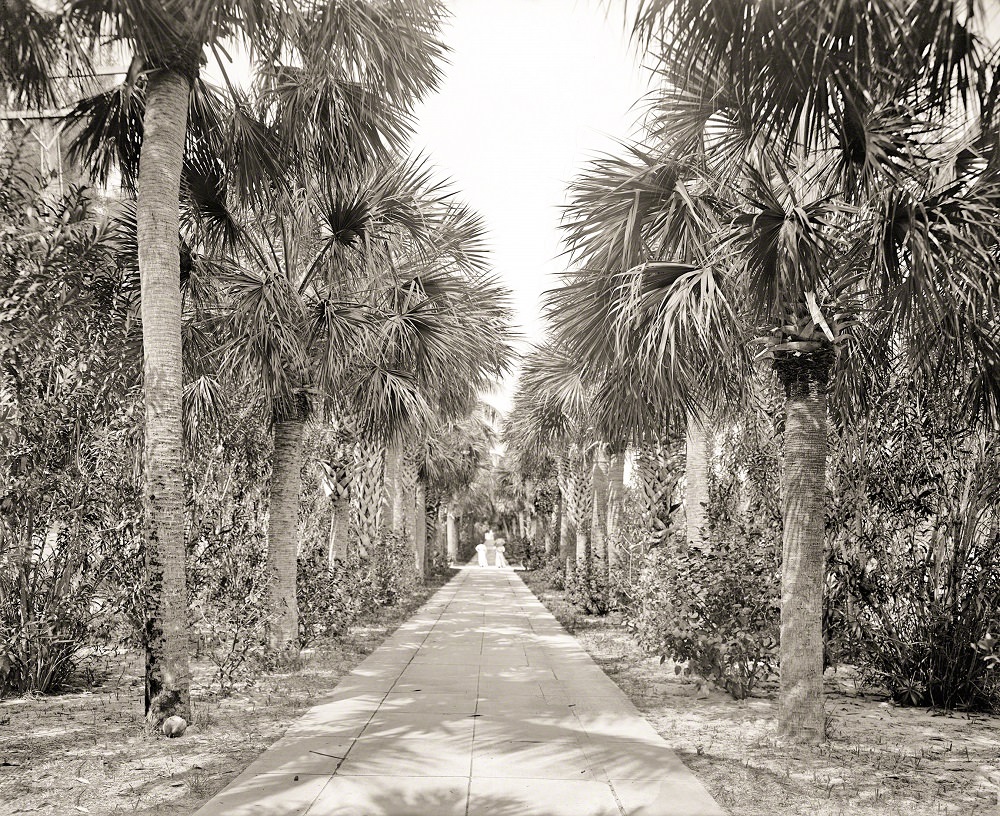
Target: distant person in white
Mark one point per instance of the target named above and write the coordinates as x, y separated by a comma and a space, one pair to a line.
481, 550
501, 549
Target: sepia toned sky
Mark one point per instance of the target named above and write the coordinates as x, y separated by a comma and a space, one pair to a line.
534, 88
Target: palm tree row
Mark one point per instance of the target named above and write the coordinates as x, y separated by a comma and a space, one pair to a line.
314, 268
809, 209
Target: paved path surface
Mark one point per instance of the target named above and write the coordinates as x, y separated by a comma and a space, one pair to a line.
480, 705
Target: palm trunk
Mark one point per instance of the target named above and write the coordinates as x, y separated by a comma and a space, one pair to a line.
393, 491
452, 535
599, 516
800, 699
367, 484
656, 469
168, 676
406, 491
696, 476
553, 533
441, 529
339, 530
582, 507
283, 532
420, 529
567, 529
616, 490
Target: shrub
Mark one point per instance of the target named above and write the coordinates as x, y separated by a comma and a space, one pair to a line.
553, 572
229, 612
715, 609
328, 598
69, 429
628, 544
589, 590
437, 563
387, 574
914, 578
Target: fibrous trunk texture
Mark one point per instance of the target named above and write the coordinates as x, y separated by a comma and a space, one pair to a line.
420, 528
168, 676
340, 519
393, 493
554, 530
657, 468
616, 490
367, 489
800, 699
406, 490
452, 535
567, 531
599, 517
580, 506
696, 477
282, 532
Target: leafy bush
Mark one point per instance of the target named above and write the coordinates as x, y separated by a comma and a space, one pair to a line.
715, 609
553, 573
914, 577
437, 563
629, 543
228, 610
69, 430
387, 574
329, 598
520, 551
589, 590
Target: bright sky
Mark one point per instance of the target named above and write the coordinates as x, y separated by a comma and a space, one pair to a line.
534, 89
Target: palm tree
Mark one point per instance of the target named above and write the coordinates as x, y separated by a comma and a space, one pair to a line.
308, 304
384, 61
444, 337
450, 455
552, 415
853, 143
625, 212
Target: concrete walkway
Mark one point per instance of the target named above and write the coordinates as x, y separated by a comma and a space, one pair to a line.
480, 704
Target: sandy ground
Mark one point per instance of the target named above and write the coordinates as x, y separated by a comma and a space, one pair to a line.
88, 751
880, 759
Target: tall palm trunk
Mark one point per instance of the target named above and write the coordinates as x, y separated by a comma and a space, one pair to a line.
420, 528
340, 525
393, 493
616, 490
554, 530
340, 519
452, 534
567, 530
696, 476
441, 529
657, 468
406, 499
282, 530
168, 676
800, 699
367, 486
581, 507
599, 516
